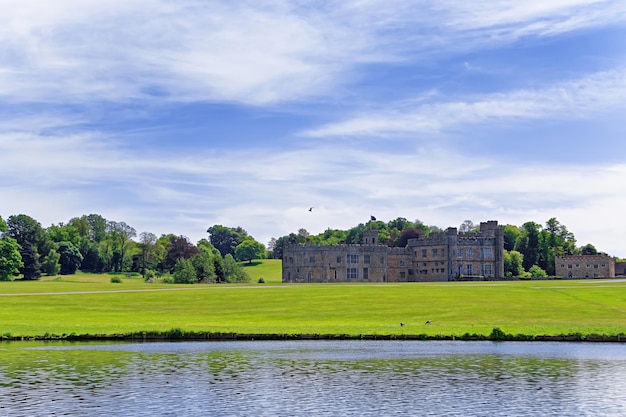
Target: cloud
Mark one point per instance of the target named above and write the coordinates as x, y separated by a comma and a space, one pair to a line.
574, 99
256, 53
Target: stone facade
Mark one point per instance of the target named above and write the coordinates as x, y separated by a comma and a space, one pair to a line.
445, 256
584, 266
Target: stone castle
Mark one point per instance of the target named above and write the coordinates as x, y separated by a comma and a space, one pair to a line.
445, 256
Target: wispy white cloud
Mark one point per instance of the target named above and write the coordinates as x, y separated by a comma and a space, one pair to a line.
253, 52
567, 100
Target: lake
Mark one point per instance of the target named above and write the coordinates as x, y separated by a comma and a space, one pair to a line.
313, 378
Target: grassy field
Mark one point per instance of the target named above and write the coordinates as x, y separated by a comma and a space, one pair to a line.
91, 304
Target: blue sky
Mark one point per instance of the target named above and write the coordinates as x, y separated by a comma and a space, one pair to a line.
173, 116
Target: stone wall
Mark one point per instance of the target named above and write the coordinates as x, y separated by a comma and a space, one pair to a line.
584, 266
442, 256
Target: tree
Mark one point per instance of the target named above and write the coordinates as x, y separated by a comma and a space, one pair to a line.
406, 235
70, 258
248, 250
184, 272
179, 247
226, 239
10, 257
120, 235
588, 249
205, 267
147, 242
513, 261
467, 226
50, 263
528, 244
511, 234
232, 271
32, 238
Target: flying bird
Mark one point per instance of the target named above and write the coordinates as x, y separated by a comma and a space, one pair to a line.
372, 218
310, 208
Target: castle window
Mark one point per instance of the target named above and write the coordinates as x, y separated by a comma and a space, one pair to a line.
460, 270
459, 253
469, 269
487, 252
312, 259
352, 259
423, 253
309, 276
434, 252
488, 270
338, 259
366, 273
402, 263
402, 275
468, 253
352, 273
366, 259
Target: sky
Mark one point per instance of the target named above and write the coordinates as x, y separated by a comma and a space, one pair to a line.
177, 115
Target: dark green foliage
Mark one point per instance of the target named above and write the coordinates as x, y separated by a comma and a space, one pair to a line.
184, 272
497, 334
50, 264
116, 280
70, 258
226, 239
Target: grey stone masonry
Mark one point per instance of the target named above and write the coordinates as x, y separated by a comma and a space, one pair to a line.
445, 256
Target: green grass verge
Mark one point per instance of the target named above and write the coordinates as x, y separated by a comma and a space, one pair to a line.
91, 304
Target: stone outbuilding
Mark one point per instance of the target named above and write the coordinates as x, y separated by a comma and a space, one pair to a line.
584, 266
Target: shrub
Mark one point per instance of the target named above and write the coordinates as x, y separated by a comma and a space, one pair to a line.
116, 280
261, 281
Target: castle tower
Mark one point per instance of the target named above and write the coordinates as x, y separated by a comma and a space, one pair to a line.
370, 237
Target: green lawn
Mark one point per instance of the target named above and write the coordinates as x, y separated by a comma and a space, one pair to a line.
91, 304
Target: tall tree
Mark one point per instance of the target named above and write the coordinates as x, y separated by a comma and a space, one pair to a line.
32, 239
70, 258
511, 234
120, 235
147, 242
179, 247
226, 239
528, 244
10, 257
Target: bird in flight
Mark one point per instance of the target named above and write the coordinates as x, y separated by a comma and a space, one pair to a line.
310, 208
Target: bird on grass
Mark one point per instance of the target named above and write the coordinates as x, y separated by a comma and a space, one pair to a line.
401, 323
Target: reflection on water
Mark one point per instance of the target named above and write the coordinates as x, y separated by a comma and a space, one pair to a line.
321, 378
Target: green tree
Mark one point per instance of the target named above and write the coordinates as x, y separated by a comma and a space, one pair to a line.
179, 247
226, 239
147, 244
232, 271
120, 235
70, 258
205, 267
513, 261
32, 240
184, 272
50, 263
588, 249
248, 250
511, 234
10, 257
528, 243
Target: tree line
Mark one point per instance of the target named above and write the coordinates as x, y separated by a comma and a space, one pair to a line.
91, 243
529, 250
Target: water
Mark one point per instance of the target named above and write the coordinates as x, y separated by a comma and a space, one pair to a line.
313, 378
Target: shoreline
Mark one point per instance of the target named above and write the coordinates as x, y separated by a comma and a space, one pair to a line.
179, 335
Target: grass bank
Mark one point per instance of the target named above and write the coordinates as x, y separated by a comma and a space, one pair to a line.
80, 305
